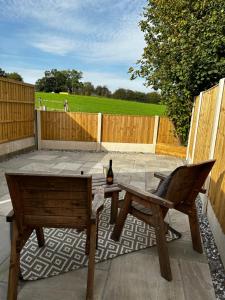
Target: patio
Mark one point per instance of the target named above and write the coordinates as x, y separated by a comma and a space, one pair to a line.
131, 276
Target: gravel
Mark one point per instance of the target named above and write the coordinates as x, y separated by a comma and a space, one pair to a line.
215, 263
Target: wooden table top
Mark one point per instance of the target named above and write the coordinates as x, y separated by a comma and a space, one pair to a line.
108, 188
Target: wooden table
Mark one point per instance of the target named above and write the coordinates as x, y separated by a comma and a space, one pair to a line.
110, 191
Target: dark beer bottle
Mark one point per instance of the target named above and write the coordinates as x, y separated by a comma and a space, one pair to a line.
109, 177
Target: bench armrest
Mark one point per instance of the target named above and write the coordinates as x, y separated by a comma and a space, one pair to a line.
160, 175
98, 202
146, 195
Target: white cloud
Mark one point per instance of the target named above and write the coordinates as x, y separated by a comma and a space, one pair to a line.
55, 14
125, 46
53, 44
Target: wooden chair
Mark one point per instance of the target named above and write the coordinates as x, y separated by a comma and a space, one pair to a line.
49, 201
179, 191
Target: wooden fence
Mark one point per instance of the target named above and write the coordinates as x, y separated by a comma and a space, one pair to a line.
16, 110
127, 129
108, 132
167, 141
69, 126
207, 141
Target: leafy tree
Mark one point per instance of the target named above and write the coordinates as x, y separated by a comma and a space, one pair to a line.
120, 94
59, 81
184, 53
153, 97
130, 95
14, 76
102, 91
2, 73
88, 89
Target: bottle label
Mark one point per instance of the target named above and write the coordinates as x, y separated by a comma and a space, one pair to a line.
109, 179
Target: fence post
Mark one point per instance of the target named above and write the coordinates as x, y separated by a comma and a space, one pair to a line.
155, 133
99, 132
38, 129
196, 128
189, 134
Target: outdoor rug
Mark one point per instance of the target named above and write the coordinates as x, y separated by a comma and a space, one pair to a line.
64, 249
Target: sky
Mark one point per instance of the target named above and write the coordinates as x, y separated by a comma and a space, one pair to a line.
101, 38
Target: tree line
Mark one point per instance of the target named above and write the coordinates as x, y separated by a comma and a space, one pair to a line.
13, 75
70, 81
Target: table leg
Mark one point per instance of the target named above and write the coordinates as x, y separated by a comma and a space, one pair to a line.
114, 207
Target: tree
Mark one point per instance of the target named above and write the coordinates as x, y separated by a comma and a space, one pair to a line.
2, 73
88, 89
102, 91
14, 76
184, 53
120, 94
59, 81
153, 97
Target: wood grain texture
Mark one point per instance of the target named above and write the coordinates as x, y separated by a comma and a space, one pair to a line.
166, 133
72, 126
217, 180
167, 141
16, 110
127, 129
205, 125
178, 151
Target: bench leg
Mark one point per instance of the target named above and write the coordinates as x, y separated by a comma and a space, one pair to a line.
14, 267
40, 236
91, 263
121, 218
195, 231
164, 260
114, 207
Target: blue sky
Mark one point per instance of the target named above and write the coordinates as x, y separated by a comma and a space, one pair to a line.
101, 38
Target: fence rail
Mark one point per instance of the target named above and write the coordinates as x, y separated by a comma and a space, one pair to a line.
16, 110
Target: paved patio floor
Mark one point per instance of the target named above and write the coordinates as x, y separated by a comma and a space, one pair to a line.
129, 277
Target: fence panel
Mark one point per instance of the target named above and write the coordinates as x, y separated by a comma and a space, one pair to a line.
205, 125
16, 110
167, 141
217, 182
69, 126
127, 129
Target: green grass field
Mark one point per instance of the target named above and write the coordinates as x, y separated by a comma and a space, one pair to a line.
98, 104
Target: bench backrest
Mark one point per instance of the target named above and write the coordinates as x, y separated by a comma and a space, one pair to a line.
50, 200
187, 181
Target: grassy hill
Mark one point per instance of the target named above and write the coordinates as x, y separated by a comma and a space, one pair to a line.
98, 104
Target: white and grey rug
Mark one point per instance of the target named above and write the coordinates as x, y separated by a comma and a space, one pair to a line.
64, 249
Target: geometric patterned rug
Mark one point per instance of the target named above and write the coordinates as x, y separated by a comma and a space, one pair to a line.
64, 249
